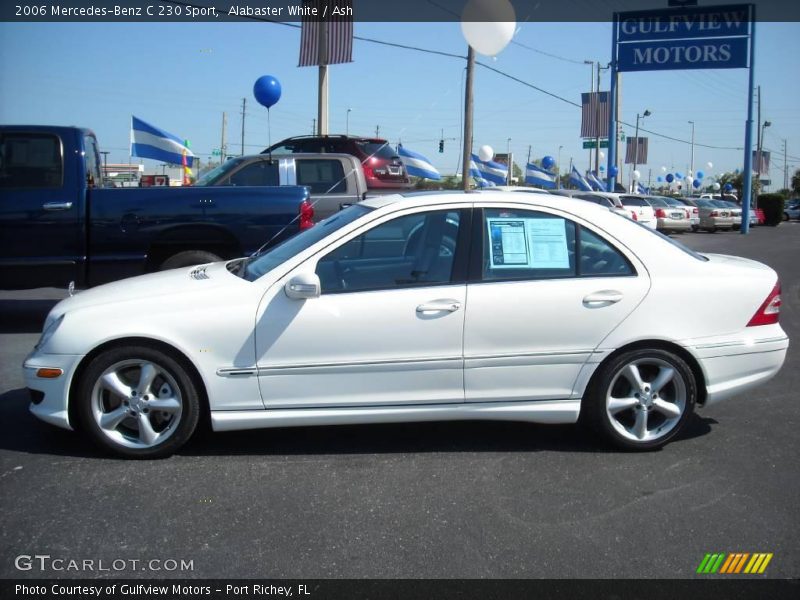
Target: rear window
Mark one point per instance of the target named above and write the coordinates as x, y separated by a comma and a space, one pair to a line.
30, 160
377, 149
634, 201
658, 202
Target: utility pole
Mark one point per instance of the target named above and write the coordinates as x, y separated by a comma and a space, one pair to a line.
322, 100
759, 133
597, 121
467, 156
591, 92
222, 148
785, 168
313, 127
691, 159
244, 105
617, 111
377, 131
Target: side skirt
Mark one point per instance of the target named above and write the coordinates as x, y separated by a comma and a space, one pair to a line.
550, 411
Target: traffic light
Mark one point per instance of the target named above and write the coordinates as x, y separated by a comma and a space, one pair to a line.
441, 146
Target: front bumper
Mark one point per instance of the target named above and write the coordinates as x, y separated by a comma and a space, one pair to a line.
53, 406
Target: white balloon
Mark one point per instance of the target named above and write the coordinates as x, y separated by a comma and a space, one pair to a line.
602, 154
488, 25
636, 175
663, 169
710, 165
716, 187
688, 179
486, 153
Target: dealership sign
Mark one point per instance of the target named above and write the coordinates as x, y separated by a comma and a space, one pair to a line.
708, 37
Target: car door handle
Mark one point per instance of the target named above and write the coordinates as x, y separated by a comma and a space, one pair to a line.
57, 205
604, 298
439, 306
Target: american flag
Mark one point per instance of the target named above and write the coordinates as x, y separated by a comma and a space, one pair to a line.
340, 34
634, 157
762, 167
594, 115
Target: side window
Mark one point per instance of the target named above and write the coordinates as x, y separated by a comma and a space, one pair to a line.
30, 160
409, 251
522, 244
323, 176
598, 257
91, 159
261, 172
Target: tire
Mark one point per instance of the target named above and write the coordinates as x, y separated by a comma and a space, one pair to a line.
118, 416
639, 417
188, 258
785, 216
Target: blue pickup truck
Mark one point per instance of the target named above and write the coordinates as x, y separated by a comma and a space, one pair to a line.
58, 225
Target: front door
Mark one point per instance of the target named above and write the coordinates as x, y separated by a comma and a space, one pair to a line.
387, 327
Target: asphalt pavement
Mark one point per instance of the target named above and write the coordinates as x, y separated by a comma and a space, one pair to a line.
438, 500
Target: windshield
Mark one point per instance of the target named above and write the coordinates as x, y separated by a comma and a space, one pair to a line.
260, 265
658, 202
702, 203
218, 172
633, 201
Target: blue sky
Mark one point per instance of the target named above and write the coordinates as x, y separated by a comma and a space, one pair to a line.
182, 76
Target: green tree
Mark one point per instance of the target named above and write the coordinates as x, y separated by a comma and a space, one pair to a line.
796, 182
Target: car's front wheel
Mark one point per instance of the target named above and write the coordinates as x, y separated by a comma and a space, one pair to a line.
138, 402
641, 399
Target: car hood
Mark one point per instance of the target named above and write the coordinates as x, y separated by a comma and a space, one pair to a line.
189, 280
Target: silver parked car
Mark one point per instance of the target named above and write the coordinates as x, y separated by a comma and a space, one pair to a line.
714, 218
668, 216
610, 202
736, 211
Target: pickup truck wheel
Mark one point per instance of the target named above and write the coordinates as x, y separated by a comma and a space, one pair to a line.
188, 258
137, 402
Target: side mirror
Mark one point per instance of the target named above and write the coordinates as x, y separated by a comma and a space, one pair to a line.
303, 286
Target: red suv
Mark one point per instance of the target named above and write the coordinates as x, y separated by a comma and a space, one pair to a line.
383, 168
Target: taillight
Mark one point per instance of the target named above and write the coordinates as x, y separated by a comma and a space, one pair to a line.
770, 310
713, 213
633, 215
368, 172
306, 215
660, 213
695, 211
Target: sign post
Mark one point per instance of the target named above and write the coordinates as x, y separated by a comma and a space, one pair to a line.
690, 37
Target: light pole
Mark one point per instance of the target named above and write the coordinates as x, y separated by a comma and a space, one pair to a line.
508, 161
691, 159
591, 91
558, 168
646, 113
347, 122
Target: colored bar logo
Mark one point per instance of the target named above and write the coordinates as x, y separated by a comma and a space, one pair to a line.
734, 563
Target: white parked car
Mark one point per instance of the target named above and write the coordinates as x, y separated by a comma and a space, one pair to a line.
428, 307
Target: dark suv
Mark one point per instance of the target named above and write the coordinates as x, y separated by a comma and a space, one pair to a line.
383, 168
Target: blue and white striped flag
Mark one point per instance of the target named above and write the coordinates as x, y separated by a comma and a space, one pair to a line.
417, 165
151, 142
596, 184
577, 179
488, 173
536, 175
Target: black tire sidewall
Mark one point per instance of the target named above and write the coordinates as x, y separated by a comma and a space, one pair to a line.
190, 411
595, 398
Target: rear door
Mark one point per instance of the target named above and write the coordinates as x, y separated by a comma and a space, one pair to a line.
41, 237
543, 292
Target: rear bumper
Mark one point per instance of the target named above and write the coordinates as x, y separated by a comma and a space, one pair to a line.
674, 224
733, 366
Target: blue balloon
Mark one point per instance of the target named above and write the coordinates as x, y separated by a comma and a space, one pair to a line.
602, 168
696, 183
267, 90
659, 179
679, 175
548, 162
700, 175
670, 177
613, 171
728, 187
736, 171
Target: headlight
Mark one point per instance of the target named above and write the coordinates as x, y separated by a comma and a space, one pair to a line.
49, 329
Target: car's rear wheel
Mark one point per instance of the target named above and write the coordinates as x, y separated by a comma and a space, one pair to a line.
641, 399
188, 258
138, 402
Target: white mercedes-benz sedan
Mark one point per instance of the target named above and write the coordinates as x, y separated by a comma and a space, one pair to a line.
528, 307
